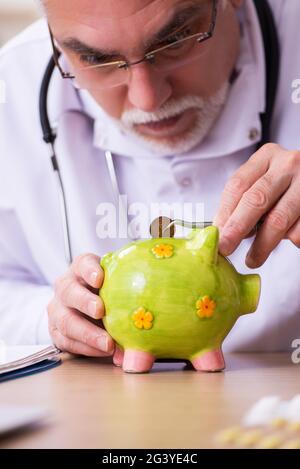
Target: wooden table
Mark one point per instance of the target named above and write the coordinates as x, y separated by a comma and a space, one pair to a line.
93, 404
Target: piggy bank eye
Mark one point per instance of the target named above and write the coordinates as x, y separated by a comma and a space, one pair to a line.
162, 251
205, 307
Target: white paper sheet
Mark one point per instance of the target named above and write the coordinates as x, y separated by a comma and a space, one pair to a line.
17, 357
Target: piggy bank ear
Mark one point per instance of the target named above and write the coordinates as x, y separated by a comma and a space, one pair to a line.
105, 260
205, 242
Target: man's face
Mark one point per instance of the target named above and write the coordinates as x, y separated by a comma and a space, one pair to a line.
166, 107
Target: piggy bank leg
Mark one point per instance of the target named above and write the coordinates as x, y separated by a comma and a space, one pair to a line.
210, 361
136, 361
118, 357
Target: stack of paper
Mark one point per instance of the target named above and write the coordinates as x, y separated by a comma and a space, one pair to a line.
19, 360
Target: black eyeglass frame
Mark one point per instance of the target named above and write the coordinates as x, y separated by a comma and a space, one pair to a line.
149, 57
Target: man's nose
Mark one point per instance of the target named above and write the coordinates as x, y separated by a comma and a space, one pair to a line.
148, 90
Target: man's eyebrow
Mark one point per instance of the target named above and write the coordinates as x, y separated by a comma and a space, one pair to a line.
75, 45
179, 17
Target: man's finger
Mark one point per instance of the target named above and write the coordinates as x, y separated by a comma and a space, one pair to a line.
240, 182
74, 295
71, 325
275, 227
254, 204
78, 348
294, 234
87, 267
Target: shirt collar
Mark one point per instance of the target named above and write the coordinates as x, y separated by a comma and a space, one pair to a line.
238, 125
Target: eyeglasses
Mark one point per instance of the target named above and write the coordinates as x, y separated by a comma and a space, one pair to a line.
181, 47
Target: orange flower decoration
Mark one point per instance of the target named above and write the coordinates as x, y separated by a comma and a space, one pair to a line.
162, 251
205, 307
142, 318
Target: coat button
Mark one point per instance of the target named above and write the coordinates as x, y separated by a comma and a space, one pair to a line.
253, 134
185, 182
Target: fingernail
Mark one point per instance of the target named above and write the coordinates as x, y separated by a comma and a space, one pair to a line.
250, 261
94, 278
102, 342
93, 309
225, 246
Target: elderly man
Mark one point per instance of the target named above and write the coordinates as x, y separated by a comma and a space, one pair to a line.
164, 102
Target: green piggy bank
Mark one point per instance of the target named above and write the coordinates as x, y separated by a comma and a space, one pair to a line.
174, 298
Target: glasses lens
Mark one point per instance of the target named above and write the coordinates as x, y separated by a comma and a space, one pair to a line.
187, 44
88, 74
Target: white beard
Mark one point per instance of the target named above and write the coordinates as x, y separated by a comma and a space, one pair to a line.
207, 111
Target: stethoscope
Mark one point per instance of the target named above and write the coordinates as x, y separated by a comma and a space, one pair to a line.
162, 225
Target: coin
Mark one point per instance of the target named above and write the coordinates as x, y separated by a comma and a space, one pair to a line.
158, 228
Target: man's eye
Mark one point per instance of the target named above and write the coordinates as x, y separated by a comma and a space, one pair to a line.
178, 37
93, 60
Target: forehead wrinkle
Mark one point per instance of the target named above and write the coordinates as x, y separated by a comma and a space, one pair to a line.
92, 16
132, 34
166, 13
92, 12
177, 19
64, 21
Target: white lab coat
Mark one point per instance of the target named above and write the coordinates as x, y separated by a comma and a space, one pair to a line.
31, 239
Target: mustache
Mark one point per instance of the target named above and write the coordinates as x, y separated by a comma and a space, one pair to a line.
173, 108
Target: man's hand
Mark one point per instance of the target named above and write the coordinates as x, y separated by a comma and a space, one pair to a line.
267, 189
76, 299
